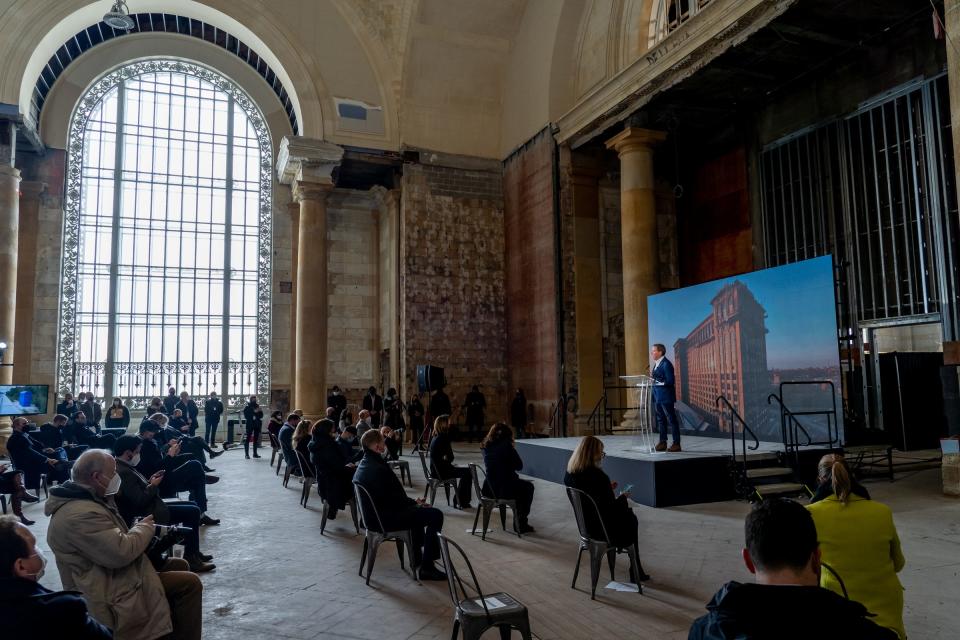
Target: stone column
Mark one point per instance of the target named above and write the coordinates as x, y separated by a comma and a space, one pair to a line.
9, 230
308, 165
27, 277
951, 20
294, 209
638, 220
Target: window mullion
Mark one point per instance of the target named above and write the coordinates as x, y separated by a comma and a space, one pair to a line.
228, 222
109, 379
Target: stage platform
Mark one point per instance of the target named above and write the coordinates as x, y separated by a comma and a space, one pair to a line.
699, 473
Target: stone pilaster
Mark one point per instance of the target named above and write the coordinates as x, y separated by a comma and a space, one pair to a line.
308, 165
9, 232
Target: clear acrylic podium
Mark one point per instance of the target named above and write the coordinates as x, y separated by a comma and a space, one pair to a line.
641, 420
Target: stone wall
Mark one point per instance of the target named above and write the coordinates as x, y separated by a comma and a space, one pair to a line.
531, 288
452, 288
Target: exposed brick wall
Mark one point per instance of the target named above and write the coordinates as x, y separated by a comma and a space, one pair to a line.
529, 235
452, 288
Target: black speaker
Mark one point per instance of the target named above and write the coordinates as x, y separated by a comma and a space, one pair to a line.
430, 378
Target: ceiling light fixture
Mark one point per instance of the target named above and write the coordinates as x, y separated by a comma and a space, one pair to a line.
119, 17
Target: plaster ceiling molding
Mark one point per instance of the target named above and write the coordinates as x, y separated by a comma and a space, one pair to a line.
635, 38
592, 46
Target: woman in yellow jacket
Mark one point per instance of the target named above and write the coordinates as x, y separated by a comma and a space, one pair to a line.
859, 542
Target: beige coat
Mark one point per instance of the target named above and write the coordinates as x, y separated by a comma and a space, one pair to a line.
98, 556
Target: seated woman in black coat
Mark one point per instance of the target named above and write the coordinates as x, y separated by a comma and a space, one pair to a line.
584, 473
301, 438
334, 470
502, 462
441, 459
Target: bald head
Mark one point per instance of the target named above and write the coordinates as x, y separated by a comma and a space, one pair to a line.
93, 469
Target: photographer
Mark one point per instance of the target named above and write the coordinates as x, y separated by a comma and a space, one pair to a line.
98, 555
139, 496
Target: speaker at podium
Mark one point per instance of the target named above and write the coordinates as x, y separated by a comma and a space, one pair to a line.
430, 378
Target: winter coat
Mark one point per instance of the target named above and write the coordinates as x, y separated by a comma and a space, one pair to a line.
100, 557
30, 610
859, 541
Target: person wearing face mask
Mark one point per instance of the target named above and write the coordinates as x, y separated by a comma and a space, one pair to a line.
333, 466
373, 403
27, 608
364, 422
91, 409
98, 555
348, 441
68, 407
253, 418
397, 510
618, 520
212, 410
337, 400
140, 496
118, 417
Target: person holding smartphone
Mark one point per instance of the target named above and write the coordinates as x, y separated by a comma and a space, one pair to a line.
584, 473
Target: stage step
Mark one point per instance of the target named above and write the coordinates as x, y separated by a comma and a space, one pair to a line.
769, 472
779, 488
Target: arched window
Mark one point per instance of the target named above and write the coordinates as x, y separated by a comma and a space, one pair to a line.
167, 237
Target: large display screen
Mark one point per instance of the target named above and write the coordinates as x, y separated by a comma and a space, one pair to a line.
23, 399
741, 337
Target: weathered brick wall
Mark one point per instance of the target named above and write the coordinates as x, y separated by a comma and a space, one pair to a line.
531, 318
452, 287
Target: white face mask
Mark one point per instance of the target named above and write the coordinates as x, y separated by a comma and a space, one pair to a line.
135, 460
43, 565
114, 485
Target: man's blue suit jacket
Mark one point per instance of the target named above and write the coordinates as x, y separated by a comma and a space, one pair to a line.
665, 393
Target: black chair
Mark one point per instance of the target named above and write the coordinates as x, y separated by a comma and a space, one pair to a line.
275, 451
376, 534
489, 503
43, 484
475, 614
307, 475
404, 468
600, 548
434, 482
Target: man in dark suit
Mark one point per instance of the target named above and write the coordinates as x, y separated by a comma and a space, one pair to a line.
664, 397
338, 401
373, 403
32, 458
397, 510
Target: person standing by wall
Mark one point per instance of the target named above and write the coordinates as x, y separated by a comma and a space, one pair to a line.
212, 410
518, 413
474, 405
253, 417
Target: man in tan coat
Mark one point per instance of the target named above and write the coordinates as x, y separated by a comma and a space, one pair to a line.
99, 556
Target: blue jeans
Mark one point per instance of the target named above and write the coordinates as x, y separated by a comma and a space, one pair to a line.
666, 414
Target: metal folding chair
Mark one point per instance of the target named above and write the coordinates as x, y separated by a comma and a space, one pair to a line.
434, 482
376, 534
308, 475
477, 613
489, 503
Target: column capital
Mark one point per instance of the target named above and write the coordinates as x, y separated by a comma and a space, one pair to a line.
310, 190
635, 139
307, 160
10, 172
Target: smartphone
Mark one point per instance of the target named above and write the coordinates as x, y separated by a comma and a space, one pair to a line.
626, 489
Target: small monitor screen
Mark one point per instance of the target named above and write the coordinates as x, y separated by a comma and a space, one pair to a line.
23, 399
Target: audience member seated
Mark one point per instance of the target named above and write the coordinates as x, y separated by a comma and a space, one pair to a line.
155, 407
11, 482
195, 446
346, 420
397, 510
118, 416
178, 423
285, 436
348, 441
79, 432
98, 555
52, 436
364, 422
32, 458
584, 473
29, 610
334, 468
181, 472
139, 497
859, 541
786, 602
825, 483
301, 438
441, 459
91, 410
501, 460
391, 439
275, 423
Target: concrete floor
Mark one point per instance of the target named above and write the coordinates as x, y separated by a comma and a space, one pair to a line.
277, 577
